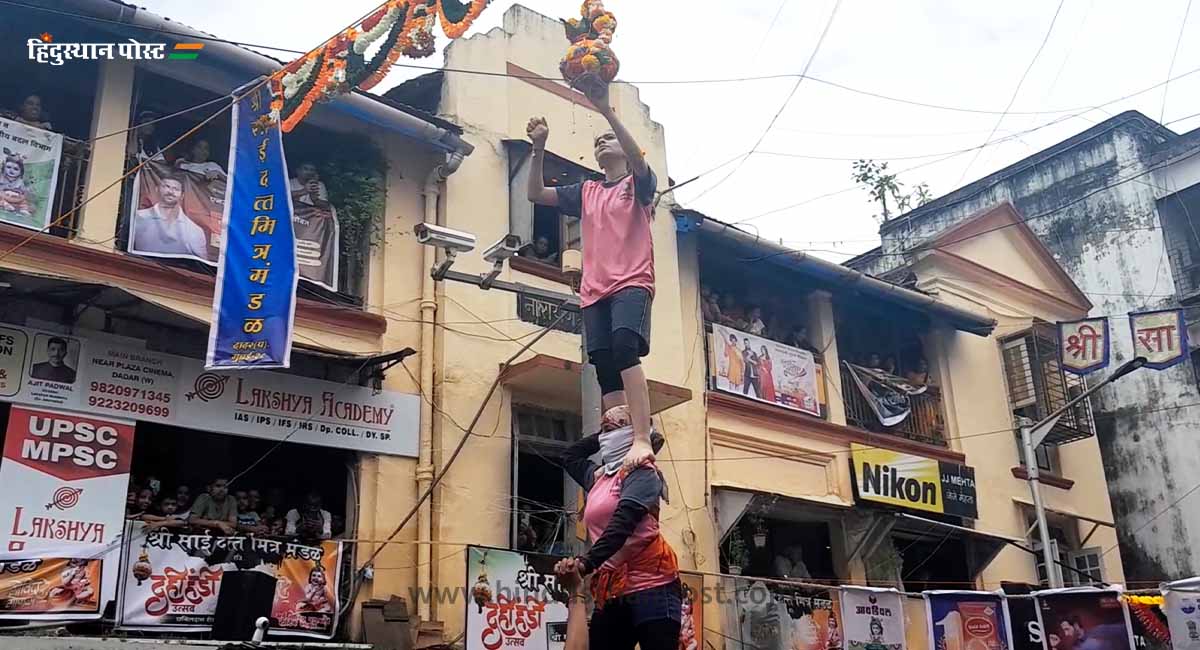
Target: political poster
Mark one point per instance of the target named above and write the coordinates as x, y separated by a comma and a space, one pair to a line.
888, 396
175, 211
171, 582
306, 594
968, 620
254, 304
51, 588
1084, 619
315, 223
873, 619
514, 600
916, 627
1182, 605
72, 471
1083, 345
29, 160
759, 368
774, 616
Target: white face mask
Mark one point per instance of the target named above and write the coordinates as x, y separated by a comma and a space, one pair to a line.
613, 447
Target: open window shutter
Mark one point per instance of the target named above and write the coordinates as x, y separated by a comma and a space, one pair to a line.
520, 209
1041, 565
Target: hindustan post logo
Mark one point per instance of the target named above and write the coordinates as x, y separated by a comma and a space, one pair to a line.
43, 49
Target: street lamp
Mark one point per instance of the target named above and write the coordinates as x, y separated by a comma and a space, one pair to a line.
1034, 435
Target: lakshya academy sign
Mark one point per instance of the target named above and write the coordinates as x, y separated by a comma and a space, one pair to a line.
913, 482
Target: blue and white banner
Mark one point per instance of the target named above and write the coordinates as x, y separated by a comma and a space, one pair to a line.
254, 304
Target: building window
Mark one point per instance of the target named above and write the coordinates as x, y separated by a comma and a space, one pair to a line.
546, 501
1076, 567
1038, 386
545, 231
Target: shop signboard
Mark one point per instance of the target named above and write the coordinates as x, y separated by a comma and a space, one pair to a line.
775, 616
514, 601
968, 620
764, 370
113, 379
873, 619
171, 582
1069, 616
914, 482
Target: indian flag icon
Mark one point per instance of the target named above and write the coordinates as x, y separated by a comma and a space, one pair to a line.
186, 51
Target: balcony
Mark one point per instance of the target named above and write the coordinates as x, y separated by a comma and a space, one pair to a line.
70, 190
1038, 386
925, 422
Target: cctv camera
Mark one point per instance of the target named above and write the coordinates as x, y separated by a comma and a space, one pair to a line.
508, 246
455, 241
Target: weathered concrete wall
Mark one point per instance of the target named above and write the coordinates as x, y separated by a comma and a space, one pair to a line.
1091, 200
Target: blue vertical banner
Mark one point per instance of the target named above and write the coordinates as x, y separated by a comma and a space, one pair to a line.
254, 304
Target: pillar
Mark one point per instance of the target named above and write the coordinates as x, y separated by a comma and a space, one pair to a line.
110, 113
823, 334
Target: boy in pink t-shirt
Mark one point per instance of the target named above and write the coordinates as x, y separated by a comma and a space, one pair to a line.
618, 262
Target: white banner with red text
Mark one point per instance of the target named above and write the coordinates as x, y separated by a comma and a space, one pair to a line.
171, 582
111, 378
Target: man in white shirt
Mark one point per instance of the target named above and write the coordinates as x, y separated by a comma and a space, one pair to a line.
164, 229
310, 521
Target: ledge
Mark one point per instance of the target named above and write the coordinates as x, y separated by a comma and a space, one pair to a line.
555, 383
84, 263
1053, 480
538, 269
776, 416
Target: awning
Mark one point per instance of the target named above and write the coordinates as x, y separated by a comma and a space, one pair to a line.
734, 502
982, 547
556, 383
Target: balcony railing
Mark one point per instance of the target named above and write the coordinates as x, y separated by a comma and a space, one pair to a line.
926, 423
69, 192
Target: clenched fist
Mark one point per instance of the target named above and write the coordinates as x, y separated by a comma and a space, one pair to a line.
538, 131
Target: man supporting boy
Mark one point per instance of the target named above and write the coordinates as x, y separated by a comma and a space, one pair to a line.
618, 261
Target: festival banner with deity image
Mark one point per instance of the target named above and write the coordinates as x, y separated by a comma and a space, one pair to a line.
752, 366
1083, 345
691, 628
176, 211
873, 619
53, 588
515, 601
29, 160
306, 594
774, 616
968, 620
1069, 617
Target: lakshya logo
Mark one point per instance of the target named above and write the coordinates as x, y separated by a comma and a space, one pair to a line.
66, 446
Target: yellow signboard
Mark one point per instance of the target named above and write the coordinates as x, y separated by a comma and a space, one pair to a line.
913, 482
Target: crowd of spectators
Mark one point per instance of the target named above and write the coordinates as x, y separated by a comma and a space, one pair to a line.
767, 318
219, 511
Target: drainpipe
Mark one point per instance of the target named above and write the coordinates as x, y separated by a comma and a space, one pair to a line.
431, 192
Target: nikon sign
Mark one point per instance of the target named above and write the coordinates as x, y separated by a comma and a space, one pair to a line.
913, 482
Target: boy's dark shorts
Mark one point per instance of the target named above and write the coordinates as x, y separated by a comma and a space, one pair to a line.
628, 308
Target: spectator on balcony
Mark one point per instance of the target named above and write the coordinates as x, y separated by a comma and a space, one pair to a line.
143, 143
756, 325
919, 375
168, 515
541, 251
705, 308
714, 308
752, 377
216, 509
874, 361
30, 113
183, 497
735, 365
248, 521
197, 161
310, 521
798, 338
732, 313
164, 228
766, 375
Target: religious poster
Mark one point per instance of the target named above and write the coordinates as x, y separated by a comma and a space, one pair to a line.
759, 368
968, 620
13, 344
72, 471
775, 616
51, 588
691, 627
916, 624
29, 159
1071, 616
254, 305
1160, 336
306, 594
1083, 345
175, 211
514, 600
1182, 605
873, 619
315, 223
889, 396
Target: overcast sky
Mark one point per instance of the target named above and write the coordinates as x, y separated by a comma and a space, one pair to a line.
943, 52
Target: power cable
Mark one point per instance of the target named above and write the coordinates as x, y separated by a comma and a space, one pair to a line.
1175, 53
812, 57
1017, 90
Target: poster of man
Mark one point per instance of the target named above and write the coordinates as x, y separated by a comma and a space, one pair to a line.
177, 211
314, 220
55, 358
29, 159
1084, 620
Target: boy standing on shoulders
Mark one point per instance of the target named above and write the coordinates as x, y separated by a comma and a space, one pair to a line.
618, 261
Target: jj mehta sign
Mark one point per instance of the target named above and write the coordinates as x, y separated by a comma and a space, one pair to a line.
913, 482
